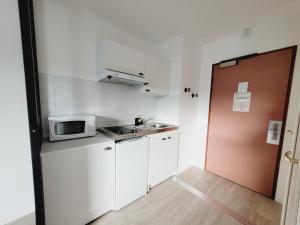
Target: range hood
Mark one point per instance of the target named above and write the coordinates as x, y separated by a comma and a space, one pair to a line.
118, 77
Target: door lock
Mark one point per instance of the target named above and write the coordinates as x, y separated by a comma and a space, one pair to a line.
289, 157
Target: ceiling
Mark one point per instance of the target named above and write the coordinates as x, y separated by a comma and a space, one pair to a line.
160, 20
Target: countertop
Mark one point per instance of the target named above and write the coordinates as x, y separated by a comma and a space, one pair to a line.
50, 147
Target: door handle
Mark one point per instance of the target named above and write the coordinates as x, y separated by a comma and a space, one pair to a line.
108, 149
289, 157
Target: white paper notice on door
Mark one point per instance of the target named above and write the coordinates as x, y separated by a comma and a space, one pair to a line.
241, 102
243, 87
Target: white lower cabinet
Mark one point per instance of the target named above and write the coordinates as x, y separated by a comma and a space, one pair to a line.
163, 156
78, 184
131, 170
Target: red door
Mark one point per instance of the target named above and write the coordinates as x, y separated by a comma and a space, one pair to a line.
244, 135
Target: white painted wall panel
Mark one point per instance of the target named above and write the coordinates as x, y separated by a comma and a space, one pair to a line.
16, 189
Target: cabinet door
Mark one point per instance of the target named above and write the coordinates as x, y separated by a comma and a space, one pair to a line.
171, 149
157, 72
156, 160
100, 166
116, 56
163, 156
131, 170
78, 184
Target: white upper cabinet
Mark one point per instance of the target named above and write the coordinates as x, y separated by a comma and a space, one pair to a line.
157, 71
116, 56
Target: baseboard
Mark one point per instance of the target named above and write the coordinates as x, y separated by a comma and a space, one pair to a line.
182, 170
28, 219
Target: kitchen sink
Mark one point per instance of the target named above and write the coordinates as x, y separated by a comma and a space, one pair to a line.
157, 126
130, 131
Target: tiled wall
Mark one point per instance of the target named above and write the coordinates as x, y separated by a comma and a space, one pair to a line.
112, 104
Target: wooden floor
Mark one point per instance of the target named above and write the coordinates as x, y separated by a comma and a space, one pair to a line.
171, 204
255, 207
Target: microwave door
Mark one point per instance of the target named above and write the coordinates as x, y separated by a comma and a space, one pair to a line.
71, 128
68, 129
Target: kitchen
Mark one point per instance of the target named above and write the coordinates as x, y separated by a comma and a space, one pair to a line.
136, 116
134, 148
86, 178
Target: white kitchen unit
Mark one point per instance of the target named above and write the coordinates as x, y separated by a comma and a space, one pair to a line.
163, 156
78, 177
116, 56
131, 170
158, 73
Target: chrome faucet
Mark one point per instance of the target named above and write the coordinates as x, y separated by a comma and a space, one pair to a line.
146, 121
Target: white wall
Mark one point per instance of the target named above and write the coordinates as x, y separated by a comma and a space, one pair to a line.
173, 51
167, 107
180, 108
16, 189
268, 36
189, 114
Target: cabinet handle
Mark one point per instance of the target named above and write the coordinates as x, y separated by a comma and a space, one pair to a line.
169, 137
164, 139
108, 149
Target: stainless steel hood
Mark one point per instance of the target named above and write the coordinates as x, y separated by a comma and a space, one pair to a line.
117, 77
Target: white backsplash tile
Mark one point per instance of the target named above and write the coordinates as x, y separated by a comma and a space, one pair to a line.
112, 104
99, 98
64, 99
89, 97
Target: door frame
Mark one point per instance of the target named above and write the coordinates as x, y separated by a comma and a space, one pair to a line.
33, 102
291, 208
290, 79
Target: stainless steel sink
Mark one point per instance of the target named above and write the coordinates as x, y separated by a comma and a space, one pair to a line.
157, 126
130, 131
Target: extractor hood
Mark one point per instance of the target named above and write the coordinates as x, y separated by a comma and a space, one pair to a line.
118, 77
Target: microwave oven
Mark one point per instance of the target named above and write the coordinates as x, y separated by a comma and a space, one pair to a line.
71, 127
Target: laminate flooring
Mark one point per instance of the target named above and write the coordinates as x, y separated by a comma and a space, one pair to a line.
171, 203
